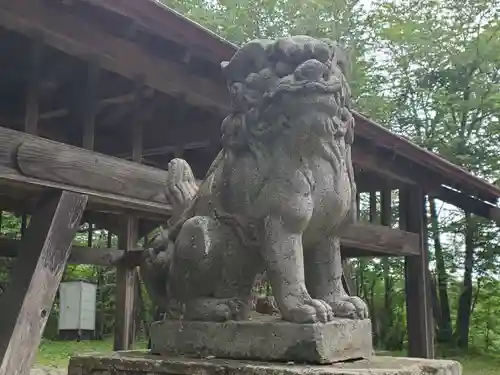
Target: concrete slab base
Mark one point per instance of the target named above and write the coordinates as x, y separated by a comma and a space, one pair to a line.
141, 363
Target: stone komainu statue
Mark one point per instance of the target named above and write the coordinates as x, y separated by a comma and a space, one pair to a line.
275, 199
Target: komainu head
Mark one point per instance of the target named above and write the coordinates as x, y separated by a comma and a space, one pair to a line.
281, 86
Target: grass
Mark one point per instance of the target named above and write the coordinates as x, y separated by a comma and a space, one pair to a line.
479, 364
473, 363
57, 354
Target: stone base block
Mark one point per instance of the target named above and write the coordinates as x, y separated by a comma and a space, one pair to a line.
140, 363
265, 338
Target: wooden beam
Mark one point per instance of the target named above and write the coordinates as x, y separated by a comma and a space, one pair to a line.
361, 239
377, 240
166, 23
365, 158
365, 239
51, 161
417, 283
101, 104
33, 88
35, 278
21, 198
42, 159
467, 203
104, 257
74, 36
98, 201
412, 174
169, 149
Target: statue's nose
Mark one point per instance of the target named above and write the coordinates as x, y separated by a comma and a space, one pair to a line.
310, 70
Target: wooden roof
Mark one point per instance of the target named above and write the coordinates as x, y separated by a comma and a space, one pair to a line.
142, 40
169, 24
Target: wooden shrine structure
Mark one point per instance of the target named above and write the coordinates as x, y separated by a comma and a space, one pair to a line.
96, 96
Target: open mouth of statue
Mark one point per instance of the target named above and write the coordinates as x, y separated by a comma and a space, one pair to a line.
319, 87
323, 96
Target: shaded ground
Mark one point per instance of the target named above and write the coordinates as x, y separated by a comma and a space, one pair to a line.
53, 357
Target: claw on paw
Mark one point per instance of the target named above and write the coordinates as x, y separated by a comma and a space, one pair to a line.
312, 311
350, 307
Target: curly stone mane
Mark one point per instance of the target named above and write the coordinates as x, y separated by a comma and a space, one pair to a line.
263, 71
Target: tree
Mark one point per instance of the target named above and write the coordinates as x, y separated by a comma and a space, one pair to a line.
443, 80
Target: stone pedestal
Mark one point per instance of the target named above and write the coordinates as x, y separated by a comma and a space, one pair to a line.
140, 363
265, 338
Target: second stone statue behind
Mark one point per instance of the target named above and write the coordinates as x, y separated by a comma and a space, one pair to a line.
275, 200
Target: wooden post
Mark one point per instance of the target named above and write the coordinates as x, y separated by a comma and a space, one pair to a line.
35, 278
386, 220
126, 278
90, 234
33, 88
385, 208
24, 224
373, 206
109, 239
417, 283
90, 105
358, 203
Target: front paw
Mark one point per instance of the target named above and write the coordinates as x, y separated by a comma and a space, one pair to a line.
311, 311
350, 307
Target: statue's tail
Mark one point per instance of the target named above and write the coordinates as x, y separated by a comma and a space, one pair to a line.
180, 191
181, 187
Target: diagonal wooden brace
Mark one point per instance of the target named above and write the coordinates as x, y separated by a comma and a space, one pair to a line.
25, 306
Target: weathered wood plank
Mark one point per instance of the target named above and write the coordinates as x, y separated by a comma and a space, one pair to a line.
66, 164
73, 35
35, 279
53, 161
417, 283
377, 240
152, 178
99, 201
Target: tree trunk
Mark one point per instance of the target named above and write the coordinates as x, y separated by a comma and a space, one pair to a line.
465, 300
445, 330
